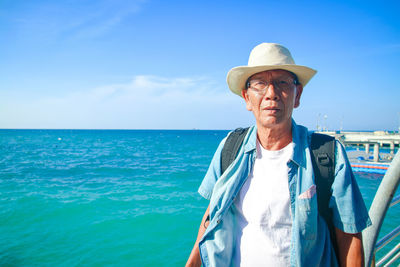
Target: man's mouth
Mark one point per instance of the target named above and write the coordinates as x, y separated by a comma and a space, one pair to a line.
271, 108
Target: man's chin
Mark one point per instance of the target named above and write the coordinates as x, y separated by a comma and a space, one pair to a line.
273, 122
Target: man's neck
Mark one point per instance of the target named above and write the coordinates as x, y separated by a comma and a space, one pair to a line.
275, 138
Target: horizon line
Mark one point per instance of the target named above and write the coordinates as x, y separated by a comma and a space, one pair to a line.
158, 129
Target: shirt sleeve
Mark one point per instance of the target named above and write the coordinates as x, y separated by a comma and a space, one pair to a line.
349, 211
213, 173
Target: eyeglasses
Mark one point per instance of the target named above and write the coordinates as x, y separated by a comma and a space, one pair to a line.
260, 87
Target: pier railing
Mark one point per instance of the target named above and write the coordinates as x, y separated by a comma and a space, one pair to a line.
368, 140
382, 201
393, 254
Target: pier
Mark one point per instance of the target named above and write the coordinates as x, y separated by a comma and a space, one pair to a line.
368, 140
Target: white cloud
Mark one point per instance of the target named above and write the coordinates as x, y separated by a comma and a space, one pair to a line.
146, 102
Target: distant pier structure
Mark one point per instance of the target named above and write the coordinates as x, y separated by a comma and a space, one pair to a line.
375, 140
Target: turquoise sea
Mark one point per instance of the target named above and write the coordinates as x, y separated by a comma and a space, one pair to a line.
109, 197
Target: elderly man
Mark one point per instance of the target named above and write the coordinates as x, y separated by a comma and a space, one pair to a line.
263, 208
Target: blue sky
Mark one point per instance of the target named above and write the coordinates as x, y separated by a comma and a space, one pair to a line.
119, 64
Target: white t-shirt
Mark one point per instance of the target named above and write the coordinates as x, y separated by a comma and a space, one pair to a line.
264, 215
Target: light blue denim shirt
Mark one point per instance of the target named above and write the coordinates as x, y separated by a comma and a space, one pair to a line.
311, 245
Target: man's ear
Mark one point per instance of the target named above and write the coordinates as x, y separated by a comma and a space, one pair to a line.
299, 91
246, 99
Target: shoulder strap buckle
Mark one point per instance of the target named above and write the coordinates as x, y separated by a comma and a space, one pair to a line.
323, 159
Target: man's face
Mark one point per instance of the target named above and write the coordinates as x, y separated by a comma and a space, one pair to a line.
273, 106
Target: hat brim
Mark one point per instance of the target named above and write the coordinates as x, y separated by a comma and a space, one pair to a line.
238, 76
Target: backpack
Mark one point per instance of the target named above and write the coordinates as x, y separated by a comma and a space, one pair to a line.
323, 160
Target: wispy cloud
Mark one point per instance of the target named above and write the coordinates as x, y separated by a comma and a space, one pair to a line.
75, 19
105, 16
144, 102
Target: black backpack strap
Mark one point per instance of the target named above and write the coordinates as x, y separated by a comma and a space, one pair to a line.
231, 147
323, 160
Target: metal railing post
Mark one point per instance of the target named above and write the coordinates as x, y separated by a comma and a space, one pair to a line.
379, 206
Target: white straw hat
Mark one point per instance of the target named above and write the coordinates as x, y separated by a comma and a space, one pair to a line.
267, 56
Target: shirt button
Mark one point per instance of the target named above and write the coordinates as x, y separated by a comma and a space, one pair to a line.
218, 221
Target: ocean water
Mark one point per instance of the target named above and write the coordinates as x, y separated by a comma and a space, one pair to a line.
112, 197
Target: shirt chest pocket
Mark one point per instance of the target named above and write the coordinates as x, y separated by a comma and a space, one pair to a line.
307, 214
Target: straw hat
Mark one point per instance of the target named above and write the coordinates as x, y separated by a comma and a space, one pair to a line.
267, 56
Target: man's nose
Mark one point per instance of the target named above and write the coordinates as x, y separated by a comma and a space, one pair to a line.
271, 92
